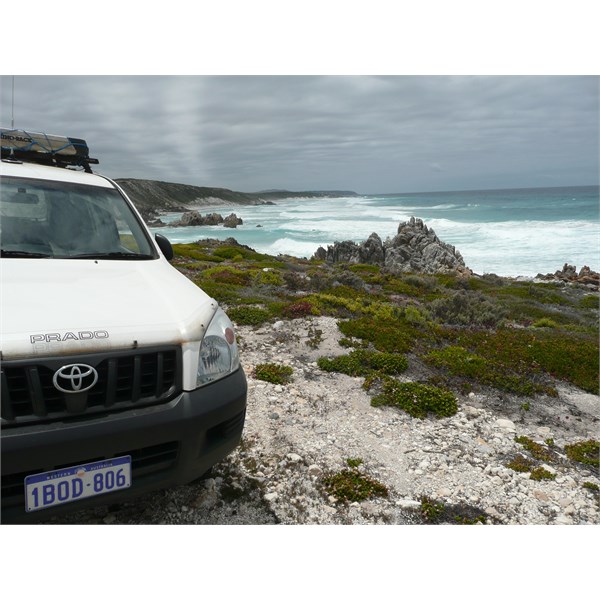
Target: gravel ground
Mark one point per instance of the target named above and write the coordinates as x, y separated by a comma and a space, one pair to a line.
298, 433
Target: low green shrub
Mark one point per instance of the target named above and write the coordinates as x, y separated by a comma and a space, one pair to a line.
362, 362
227, 275
416, 399
349, 485
350, 280
221, 292
586, 452
417, 316
268, 277
537, 450
467, 308
571, 358
590, 301
228, 252
458, 361
521, 464
363, 268
248, 315
529, 354
539, 293
273, 373
194, 252
237, 252
545, 322
539, 473
508, 364
432, 511
386, 335
423, 282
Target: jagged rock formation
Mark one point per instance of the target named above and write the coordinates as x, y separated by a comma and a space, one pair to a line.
415, 249
569, 274
193, 219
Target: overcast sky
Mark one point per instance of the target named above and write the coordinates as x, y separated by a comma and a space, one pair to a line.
369, 134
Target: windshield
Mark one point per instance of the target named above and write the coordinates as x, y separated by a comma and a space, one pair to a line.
53, 219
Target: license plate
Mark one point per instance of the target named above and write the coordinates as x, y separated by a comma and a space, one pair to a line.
76, 483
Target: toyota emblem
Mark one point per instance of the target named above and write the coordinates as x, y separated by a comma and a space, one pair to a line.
74, 379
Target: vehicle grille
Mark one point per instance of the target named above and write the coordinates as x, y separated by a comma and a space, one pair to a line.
125, 380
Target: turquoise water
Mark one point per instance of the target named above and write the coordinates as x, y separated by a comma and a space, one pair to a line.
507, 232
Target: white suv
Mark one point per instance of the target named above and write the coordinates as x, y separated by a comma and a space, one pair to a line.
119, 375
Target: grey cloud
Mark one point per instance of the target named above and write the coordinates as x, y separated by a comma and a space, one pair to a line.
371, 134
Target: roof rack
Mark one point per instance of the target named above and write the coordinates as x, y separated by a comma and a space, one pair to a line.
55, 150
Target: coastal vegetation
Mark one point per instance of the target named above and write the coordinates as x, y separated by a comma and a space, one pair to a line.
465, 333
353, 485
434, 512
273, 373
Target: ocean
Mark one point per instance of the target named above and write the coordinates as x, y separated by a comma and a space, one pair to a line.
512, 232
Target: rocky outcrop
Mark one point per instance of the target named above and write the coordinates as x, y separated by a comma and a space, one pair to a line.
194, 219
414, 249
569, 274
232, 221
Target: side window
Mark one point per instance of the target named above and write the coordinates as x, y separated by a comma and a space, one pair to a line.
126, 238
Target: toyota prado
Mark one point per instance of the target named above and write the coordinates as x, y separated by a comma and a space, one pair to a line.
119, 375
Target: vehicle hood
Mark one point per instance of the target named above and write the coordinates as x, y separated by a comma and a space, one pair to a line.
58, 306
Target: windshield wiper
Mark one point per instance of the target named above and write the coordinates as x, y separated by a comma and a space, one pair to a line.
114, 256
23, 254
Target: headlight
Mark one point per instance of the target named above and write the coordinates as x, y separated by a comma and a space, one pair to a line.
218, 352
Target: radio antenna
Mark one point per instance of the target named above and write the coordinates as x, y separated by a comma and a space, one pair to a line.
12, 116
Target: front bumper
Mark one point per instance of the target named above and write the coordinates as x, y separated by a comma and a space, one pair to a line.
170, 444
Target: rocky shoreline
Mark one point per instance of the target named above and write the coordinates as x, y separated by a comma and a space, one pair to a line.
193, 218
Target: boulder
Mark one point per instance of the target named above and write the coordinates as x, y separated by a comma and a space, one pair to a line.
194, 219
232, 221
212, 219
189, 219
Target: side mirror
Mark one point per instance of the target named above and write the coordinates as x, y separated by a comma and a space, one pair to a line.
165, 246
